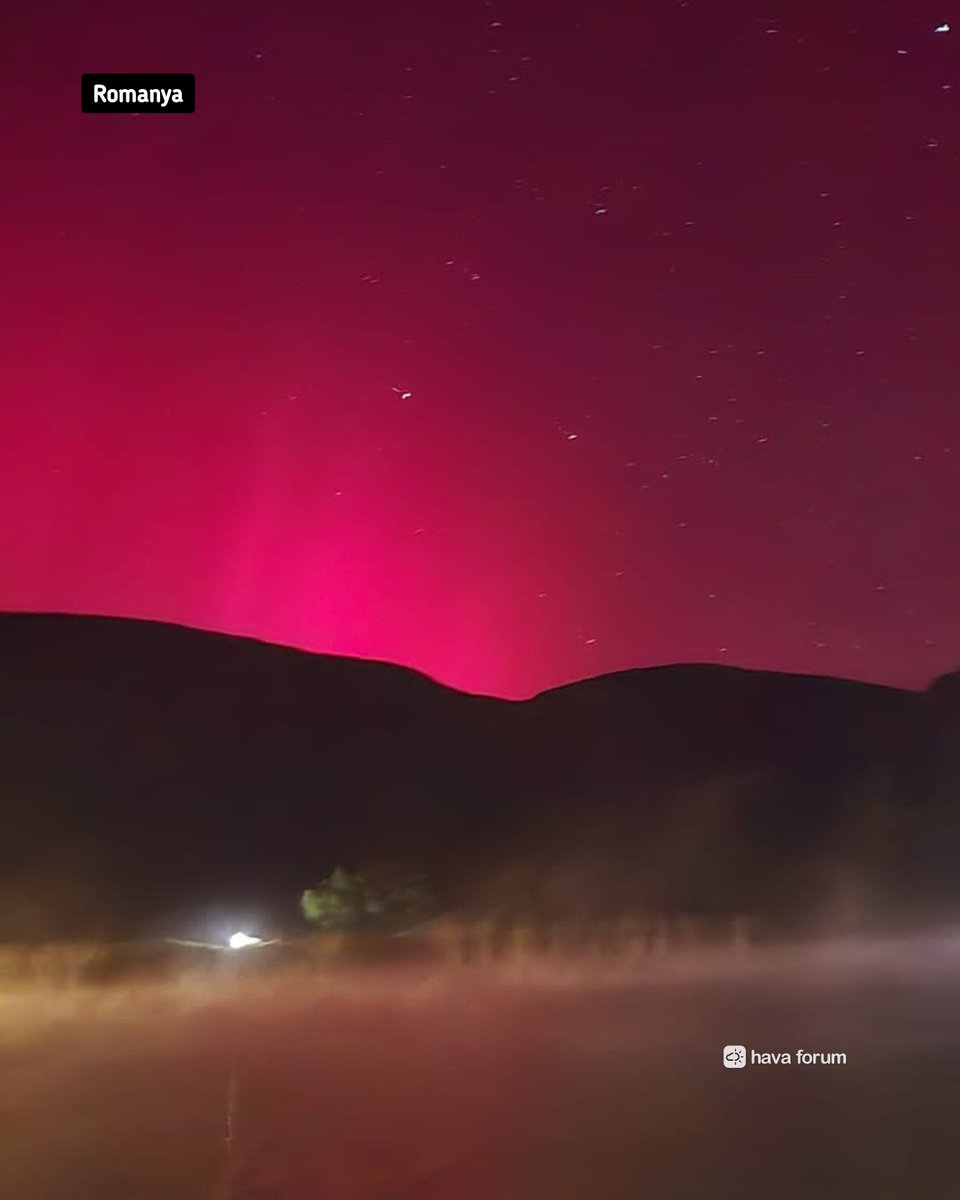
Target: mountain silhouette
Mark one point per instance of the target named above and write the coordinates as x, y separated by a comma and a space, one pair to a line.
151, 773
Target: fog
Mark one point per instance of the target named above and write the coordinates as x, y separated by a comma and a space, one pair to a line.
577, 1081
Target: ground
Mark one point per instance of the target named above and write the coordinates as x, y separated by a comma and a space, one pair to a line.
466, 1085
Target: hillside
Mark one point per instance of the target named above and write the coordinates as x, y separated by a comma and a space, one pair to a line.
150, 771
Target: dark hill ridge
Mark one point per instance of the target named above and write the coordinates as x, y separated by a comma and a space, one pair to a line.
147, 768
730, 710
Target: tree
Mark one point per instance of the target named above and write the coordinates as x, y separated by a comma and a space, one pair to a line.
348, 901
339, 902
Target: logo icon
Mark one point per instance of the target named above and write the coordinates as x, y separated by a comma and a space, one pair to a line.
734, 1056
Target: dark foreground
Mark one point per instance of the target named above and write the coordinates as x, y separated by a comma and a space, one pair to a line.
467, 1086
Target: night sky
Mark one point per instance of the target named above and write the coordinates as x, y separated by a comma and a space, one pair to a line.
513, 342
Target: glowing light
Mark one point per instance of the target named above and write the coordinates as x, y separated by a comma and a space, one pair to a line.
239, 940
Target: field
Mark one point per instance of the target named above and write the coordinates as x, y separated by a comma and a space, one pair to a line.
575, 1082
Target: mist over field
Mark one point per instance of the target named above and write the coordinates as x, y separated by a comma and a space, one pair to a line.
520, 1081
